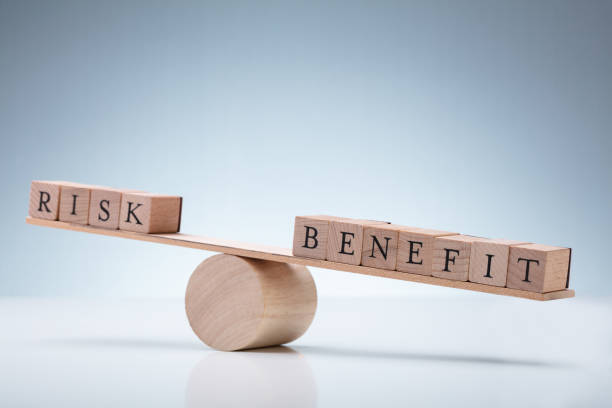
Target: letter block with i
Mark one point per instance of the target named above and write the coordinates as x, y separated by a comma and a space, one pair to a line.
74, 203
538, 268
45, 199
310, 236
489, 261
150, 213
451, 256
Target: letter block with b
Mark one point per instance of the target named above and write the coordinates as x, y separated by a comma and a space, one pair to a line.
45, 199
150, 213
310, 236
538, 268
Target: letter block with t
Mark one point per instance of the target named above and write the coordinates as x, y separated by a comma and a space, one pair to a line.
310, 236
538, 268
45, 199
74, 203
150, 213
104, 206
380, 246
345, 240
489, 261
415, 249
451, 256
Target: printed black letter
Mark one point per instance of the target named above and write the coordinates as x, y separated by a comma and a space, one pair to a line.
346, 242
131, 212
313, 237
414, 252
448, 251
528, 262
489, 257
44, 201
375, 242
105, 211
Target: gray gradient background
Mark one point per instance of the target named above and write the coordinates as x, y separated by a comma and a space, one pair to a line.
487, 118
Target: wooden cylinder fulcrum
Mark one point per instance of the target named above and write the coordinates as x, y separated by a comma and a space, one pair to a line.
236, 303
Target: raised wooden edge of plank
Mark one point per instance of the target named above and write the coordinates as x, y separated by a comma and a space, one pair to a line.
284, 255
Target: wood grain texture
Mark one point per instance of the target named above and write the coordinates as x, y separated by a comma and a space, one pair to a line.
315, 244
457, 249
489, 261
547, 274
74, 203
45, 199
415, 249
150, 213
345, 240
375, 238
104, 205
236, 303
284, 255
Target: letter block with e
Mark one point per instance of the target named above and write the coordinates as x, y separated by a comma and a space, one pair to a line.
345, 241
310, 236
45, 199
538, 268
150, 213
415, 249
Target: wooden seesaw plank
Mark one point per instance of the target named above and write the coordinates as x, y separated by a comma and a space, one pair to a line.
284, 255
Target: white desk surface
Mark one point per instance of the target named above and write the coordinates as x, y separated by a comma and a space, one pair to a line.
470, 350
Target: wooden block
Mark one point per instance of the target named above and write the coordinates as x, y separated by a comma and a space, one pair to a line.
451, 256
345, 240
489, 261
150, 213
310, 236
538, 268
45, 199
415, 249
74, 203
104, 207
379, 248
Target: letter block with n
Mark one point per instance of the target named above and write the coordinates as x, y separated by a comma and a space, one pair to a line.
380, 246
538, 268
310, 236
150, 213
45, 199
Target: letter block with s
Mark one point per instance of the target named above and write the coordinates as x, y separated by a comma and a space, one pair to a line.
104, 207
150, 213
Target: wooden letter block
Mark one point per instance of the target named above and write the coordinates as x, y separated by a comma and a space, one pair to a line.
150, 213
74, 203
45, 199
415, 249
538, 268
345, 240
104, 207
380, 246
451, 256
310, 236
489, 261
